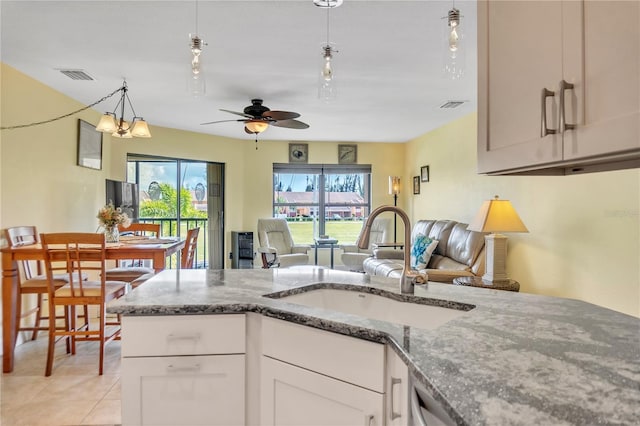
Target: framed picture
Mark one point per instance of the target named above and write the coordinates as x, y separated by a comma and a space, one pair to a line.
424, 173
298, 153
89, 146
416, 184
347, 154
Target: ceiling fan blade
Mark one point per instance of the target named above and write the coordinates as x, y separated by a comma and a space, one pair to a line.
290, 124
219, 121
280, 115
237, 113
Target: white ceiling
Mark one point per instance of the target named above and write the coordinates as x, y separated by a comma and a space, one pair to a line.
388, 69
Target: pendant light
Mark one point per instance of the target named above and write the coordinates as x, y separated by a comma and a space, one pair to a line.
197, 84
327, 85
453, 46
119, 127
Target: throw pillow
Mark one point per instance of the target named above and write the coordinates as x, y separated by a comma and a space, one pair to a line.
421, 251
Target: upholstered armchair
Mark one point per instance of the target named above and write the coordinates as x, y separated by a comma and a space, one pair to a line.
352, 256
277, 248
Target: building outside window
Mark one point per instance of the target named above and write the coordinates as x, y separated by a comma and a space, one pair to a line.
321, 199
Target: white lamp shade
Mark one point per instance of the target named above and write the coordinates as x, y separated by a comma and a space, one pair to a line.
256, 126
107, 124
140, 129
497, 216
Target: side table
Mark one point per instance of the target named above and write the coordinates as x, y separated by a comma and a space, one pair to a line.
509, 285
325, 242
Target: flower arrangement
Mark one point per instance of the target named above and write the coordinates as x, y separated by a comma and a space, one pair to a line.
110, 216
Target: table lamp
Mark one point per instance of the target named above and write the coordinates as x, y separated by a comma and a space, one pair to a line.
496, 216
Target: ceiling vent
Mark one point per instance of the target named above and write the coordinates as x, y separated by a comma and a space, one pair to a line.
451, 104
76, 74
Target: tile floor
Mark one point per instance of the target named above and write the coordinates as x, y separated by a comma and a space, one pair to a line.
73, 395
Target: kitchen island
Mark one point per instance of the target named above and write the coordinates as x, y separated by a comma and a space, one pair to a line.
513, 358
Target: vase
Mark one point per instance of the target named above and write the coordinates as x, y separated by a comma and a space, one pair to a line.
112, 234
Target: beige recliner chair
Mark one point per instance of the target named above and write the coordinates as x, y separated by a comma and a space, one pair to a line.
277, 248
352, 256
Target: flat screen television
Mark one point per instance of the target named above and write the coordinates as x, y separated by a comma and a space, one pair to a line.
124, 195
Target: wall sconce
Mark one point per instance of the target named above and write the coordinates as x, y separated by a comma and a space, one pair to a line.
496, 216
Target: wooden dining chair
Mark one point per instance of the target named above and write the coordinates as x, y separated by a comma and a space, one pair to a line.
187, 256
188, 253
74, 254
131, 269
33, 280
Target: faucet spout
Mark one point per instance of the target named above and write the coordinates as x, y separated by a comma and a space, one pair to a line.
409, 277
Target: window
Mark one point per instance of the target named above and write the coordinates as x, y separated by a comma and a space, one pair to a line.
320, 199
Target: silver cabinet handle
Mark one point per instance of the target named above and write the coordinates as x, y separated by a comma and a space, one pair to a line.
183, 369
368, 419
394, 414
194, 336
544, 130
564, 126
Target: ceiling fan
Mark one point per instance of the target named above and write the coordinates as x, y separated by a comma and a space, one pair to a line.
258, 117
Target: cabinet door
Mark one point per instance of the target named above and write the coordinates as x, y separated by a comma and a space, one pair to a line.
297, 397
519, 54
187, 390
611, 119
397, 390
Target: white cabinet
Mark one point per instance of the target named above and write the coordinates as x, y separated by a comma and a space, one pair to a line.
183, 370
558, 85
397, 386
294, 396
315, 377
184, 390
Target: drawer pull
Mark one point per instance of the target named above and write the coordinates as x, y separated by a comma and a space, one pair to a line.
172, 337
183, 368
394, 414
368, 420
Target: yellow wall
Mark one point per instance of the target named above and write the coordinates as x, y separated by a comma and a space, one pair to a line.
584, 231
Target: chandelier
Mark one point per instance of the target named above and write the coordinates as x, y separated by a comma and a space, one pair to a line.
119, 127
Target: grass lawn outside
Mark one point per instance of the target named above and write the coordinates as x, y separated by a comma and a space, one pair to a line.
345, 231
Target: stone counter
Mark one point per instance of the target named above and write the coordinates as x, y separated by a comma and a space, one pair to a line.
515, 358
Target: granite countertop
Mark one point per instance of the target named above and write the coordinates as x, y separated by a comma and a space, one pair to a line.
515, 358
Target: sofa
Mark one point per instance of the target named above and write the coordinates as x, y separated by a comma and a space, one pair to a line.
458, 252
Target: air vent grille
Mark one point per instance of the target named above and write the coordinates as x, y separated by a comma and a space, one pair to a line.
451, 104
76, 74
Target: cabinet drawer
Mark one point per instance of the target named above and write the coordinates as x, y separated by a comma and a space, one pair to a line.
346, 358
183, 390
183, 335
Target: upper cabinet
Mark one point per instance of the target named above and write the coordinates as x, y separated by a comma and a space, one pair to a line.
558, 86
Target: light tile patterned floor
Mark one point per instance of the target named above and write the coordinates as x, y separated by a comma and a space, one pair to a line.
73, 395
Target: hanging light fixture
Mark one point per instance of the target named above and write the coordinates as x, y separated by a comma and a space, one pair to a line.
256, 126
119, 127
197, 83
327, 86
454, 53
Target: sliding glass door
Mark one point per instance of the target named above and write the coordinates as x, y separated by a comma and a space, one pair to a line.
183, 194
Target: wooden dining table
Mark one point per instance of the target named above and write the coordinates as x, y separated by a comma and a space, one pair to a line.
157, 251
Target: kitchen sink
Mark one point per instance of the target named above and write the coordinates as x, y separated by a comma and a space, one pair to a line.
378, 307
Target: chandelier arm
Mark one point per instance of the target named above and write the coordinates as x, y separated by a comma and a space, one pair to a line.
37, 123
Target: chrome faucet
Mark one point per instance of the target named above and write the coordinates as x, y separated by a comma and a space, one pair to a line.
410, 277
